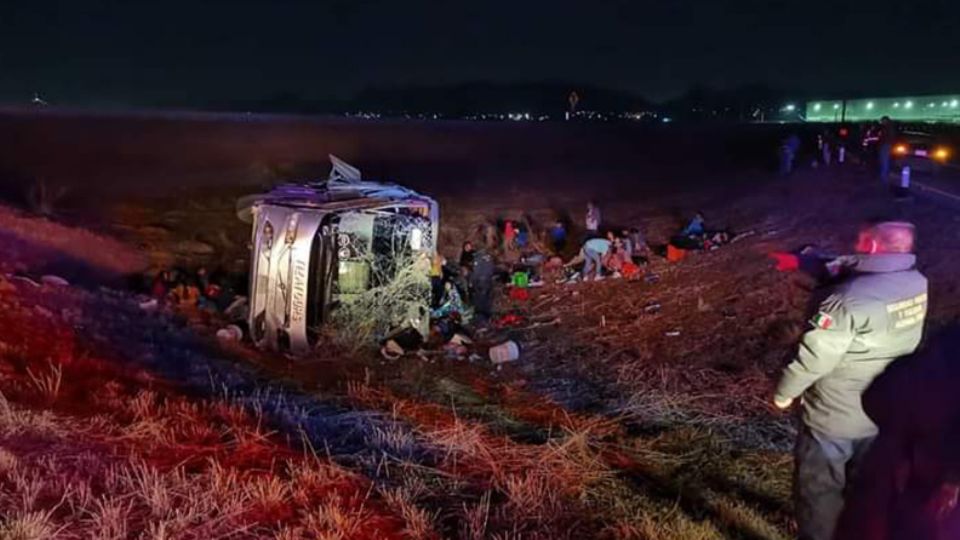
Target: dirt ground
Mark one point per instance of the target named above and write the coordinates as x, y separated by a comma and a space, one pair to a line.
618, 421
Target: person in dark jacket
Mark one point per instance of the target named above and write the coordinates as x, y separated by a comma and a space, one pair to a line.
888, 135
909, 484
481, 285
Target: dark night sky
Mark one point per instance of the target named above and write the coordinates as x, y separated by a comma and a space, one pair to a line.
136, 52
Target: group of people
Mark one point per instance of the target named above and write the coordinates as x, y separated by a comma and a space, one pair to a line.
874, 316
519, 252
463, 290
198, 289
617, 254
875, 147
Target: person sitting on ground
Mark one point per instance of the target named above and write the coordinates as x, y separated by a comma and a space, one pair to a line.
591, 255
696, 227
614, 259
186, 294
692, 236
162, 284
451, 303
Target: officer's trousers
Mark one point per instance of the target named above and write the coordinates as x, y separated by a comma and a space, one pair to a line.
824, 471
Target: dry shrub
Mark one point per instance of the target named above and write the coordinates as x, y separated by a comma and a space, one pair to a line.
266, 491
47, 382
109, 517
334, 519
14, 420
362, 321
8, 461
394, 440
676, 526
419, 523
29, 526
740, 517
476, 519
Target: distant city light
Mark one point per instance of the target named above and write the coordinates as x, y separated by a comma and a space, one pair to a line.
790, 107
666, 120
932, 104
944, 104
953, 104
816, 106
896, 104
908, 105
836, 106
869, 105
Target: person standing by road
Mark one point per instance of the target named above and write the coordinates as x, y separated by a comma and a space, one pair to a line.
788, 153
888, 135
869, 321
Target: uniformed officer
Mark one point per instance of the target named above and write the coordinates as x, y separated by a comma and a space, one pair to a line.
869, 321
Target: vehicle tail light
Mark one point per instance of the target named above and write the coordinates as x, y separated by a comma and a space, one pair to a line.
941, 153
900, 149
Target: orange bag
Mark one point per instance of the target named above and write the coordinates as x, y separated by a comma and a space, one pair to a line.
675, 254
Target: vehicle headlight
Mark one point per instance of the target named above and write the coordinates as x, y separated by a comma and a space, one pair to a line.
941, 153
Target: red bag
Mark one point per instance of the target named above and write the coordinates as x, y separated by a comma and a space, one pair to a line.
786, 262
519, 294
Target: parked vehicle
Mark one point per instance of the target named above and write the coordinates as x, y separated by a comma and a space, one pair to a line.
920, 151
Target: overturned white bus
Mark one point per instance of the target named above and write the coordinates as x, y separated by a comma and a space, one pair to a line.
318, 245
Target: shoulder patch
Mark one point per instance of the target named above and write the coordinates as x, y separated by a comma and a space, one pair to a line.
822, 321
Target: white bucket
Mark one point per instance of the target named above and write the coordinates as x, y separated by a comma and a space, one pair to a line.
231, 332
508, 351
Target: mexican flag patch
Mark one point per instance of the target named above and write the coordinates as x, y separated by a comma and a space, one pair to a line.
822, 321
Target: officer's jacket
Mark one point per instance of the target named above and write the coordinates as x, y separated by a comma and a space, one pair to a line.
866, 324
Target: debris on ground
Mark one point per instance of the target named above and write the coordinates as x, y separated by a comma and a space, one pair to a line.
54, 281
230, 333
508, 351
